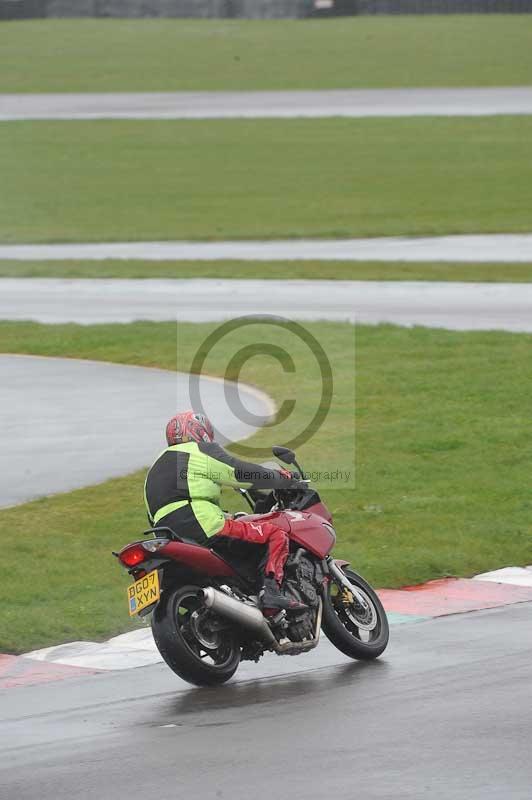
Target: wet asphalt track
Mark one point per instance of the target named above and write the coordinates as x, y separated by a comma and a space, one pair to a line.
471, 248
444, 714
282, 104
457, 306
102, 420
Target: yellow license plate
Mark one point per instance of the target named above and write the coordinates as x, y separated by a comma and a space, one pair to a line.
143, 592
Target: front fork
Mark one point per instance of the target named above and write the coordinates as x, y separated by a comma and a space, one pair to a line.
340, 579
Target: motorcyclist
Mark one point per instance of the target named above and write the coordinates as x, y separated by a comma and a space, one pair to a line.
182, 492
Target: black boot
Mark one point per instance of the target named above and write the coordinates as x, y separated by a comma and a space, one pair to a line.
271, 597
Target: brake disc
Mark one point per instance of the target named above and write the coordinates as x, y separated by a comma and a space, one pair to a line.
363, 618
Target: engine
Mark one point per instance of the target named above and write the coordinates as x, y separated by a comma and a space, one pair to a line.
303, 578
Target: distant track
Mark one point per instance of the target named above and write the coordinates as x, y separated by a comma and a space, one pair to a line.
473, 248
96, 420
464, 102
457, 306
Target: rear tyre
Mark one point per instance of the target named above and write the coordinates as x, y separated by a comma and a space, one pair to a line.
197, 645
358, 630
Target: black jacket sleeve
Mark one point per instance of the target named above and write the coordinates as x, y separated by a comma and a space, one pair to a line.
245, 471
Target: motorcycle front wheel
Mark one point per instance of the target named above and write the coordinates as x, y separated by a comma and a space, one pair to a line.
358, 629
195, 643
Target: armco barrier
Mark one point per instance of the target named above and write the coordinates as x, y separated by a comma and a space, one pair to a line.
22, 9
252, 9
330, 8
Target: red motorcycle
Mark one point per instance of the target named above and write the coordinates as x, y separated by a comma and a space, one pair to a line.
206, 616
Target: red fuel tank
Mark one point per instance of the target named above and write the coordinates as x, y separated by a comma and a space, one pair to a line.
311, 531
277, 517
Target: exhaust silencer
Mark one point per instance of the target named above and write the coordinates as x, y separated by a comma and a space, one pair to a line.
239, 612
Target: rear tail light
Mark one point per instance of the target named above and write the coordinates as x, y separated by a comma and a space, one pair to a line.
136, 553
132, 555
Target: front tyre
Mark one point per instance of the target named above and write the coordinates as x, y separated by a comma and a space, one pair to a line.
196, 644
360, 630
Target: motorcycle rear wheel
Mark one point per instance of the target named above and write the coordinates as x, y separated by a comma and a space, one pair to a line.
192, 647
360, 633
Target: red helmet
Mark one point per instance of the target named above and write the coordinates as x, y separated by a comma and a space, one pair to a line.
190, 426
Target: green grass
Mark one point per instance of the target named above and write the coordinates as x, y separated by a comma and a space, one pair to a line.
116, 180
156, 55
443, 458
274, 270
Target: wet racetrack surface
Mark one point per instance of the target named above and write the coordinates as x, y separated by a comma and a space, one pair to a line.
443, 714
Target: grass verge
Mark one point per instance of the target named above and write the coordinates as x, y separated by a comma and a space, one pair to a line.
165, 55
96, 181
443, 455
274, 270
